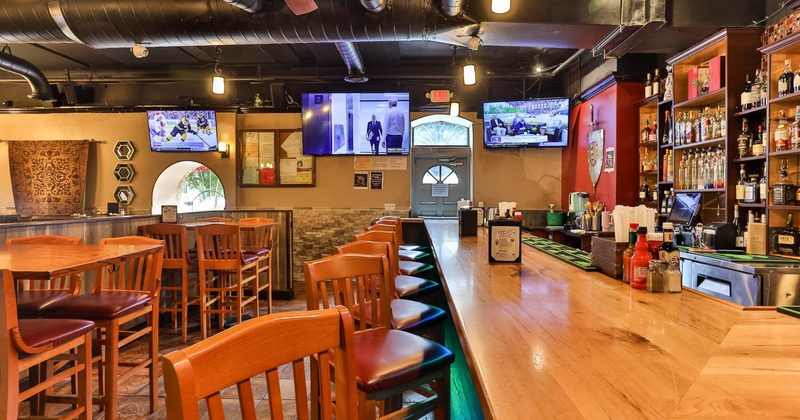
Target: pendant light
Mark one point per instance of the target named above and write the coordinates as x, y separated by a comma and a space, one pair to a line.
470, 77
217, 81
455, 108
501, 6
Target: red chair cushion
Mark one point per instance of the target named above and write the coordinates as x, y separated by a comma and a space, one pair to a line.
406, 255
30, 302
408, 315
99, 305
254, 250
40, 332
412, 268
387, 358
249, 258
411, 287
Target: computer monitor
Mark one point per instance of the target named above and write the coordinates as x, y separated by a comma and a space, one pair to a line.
685, 209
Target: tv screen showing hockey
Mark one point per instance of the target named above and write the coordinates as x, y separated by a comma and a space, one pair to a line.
182, 131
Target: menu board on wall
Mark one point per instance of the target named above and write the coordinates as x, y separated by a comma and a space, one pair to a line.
274, 158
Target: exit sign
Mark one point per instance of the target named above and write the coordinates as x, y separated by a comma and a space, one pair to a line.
440, 95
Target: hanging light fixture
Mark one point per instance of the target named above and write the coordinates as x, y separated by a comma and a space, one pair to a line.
501, 6
217, 81
455, 108
470, 77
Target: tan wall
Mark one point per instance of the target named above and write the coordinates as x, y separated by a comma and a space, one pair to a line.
531, 177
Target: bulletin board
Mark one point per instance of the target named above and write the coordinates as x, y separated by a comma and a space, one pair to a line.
274, 158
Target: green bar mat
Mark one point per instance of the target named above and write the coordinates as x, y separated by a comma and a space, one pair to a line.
790, 310
569, 255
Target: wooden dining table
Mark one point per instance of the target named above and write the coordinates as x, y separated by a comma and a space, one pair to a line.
44, 261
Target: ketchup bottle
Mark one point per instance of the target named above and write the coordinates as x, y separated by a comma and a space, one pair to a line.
640, 260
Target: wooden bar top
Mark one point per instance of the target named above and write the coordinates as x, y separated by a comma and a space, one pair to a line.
544, 339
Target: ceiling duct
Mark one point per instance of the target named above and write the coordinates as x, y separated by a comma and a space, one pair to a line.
374, 6
638, 20
452, 7
352, 58
252, 6
40, 88
162, 23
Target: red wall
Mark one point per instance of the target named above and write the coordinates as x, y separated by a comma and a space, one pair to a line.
616, 115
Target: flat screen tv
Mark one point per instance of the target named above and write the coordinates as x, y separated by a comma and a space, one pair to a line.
182, 131
531, 123
685, 208
355, 123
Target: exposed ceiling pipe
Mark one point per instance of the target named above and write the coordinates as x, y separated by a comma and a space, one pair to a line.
40, 88
567, 62
374, 6
352, 58
452, 7
252, 6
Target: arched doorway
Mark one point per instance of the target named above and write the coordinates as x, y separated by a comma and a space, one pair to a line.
441, 164
191, 186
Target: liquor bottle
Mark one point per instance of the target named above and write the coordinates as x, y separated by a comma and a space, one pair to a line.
697, 127
784, 241
740, 186
764, 98
762, 185
690, 131
745, 236
752, 189
722, 130
681, 180
706, 84
658, 84
644, 190
783, 190
694, 169
678, 131
739, 243
668, 251
628, 253
662, 206
747, 94
743, 142
646, 131
670, 199
755, 91
705, 125
640, 259
794, 131
653, 135
654, 194
721, 165
781, 135
671, 167
757, 148
664, 164
666, 138
796, 82
648, 87
786, 80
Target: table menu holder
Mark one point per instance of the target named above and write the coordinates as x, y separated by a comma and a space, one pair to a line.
505, 240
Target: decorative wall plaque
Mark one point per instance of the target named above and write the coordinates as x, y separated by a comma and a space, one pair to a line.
124, 172
124, 150
124, 195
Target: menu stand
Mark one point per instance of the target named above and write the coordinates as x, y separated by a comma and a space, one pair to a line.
505, 240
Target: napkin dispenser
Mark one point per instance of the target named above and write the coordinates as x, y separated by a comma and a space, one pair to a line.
719, 235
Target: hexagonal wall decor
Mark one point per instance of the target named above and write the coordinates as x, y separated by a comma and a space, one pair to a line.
124, 195
124, 172
124, 150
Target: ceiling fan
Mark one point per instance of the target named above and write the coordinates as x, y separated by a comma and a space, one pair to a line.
301, 7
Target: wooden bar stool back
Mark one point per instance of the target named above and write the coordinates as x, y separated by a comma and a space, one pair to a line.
398, 221
178, 270
408, 268
122, 292
216, 219
28, 343
203, 370
257, 239
388, 362
403, 254
227, 276
33, 295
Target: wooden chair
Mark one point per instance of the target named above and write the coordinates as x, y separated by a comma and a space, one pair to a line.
33, 295
388, 362
28, 343
122, 293
403, 254
177, 272
407, 268
203, 370
257, 240
226, 275
216, 219
407, 315
398, 221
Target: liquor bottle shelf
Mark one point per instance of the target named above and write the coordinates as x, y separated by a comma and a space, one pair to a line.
704, 100
792, 207
756, 110
752, 205
703, 143
649, 144
785, 152
705, 190
666, 145
786, 99
665, 182
749, 159
648, 173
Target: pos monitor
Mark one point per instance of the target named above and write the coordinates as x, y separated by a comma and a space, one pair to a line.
685, 209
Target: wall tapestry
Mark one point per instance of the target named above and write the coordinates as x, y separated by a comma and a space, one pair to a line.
48, 176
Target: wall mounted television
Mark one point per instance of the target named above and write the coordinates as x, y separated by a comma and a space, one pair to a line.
539, 122
182, 131
342, 123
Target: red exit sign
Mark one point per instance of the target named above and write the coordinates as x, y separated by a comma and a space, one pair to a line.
440, 95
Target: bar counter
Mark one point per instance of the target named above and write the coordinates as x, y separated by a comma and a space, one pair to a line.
544, 339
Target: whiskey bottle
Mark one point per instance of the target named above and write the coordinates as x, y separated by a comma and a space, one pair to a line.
678, 131
740, 186
751, 190
785, 241
705, 125
671, 166
644, 190
764, 97
653, 136
762, 185
755, 91
796, 82
666, 138
721, 163
646, 131
697, 127
794, 131
747, 94
757, 148
670, 199
786, 80
722, 131
781, 135
743, 142
648, 87
783, 190
658, 84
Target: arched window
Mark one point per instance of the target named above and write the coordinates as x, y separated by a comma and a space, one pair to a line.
441, 130
191, 186
440, 174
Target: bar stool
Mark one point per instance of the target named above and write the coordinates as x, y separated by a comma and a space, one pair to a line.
407, 315
257, 240
34, 295
262, 346
388, 362
177, 272
403, 254
225, 274
407, 268
397, 220
122, 293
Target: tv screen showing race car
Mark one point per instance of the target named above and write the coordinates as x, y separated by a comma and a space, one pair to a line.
182, 131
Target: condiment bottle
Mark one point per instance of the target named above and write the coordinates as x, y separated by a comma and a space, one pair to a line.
655, 277
628, 253
640, 260
668, 251
672, 277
